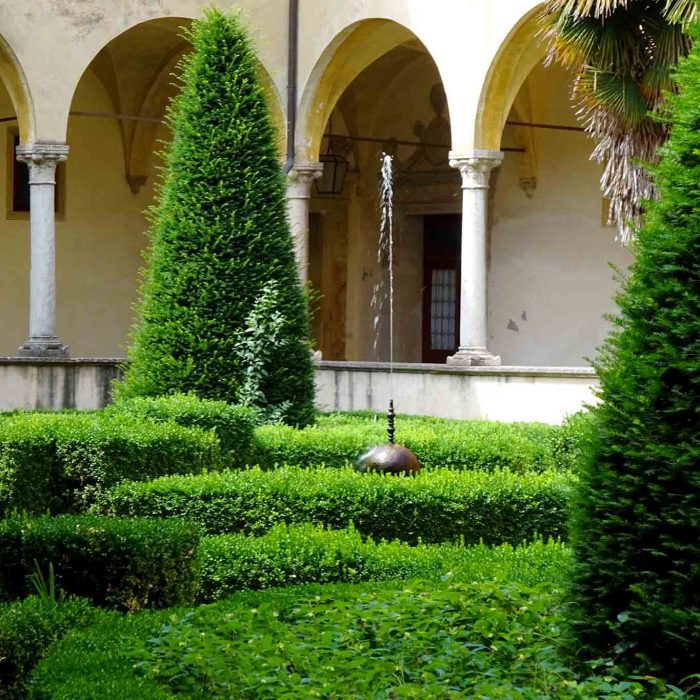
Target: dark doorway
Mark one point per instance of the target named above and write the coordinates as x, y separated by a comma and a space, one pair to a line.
442, 237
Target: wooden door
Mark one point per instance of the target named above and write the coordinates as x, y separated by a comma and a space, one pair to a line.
442, 238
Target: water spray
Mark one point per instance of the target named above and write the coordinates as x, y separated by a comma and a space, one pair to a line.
390, 458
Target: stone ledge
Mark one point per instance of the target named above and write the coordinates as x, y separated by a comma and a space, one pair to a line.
62, 361
499, 371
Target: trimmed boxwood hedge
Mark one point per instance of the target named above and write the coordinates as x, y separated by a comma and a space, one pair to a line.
57, 462
298, 554
436, 506
339, 439
232, 424
27, 629
126, 564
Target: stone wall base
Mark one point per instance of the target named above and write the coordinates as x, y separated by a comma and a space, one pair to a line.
509, 394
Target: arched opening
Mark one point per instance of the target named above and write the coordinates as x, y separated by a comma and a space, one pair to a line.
380, 91
550, 249
116, 131
16, 125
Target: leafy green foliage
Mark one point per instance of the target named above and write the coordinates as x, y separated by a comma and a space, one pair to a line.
126, 564
297, 554
264, 337
233, 425
637, 530
436, 506
59, 462
339, 439
45, 585
219, 235
27, 629
492, 639
624, 54
96, 664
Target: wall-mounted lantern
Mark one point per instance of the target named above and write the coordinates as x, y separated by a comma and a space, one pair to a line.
335, 168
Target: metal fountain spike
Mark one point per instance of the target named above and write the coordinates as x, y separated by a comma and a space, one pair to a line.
390, 422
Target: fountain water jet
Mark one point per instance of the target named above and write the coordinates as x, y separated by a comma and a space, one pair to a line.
390, 458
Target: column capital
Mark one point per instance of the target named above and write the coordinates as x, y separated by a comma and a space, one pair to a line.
42, 159
475, 167
301, 177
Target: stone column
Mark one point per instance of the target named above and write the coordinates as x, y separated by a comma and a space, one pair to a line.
475, 168
299, 181
42, 159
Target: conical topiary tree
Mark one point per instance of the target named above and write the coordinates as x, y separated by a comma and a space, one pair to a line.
636, 532
219, 235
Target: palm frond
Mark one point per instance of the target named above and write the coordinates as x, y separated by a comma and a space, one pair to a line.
623, 53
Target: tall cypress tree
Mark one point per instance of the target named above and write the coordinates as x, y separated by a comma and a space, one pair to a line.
219, 235
636, 532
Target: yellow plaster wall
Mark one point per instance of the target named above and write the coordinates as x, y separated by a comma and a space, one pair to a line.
463, 38
98, 242
55, 42
550, 282
14, 252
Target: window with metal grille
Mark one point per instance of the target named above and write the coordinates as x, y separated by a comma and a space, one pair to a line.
443, 321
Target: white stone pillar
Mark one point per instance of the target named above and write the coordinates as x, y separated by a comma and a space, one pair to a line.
42, 159
299, 181
475, 168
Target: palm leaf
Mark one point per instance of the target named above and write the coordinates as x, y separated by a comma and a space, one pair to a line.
623, 53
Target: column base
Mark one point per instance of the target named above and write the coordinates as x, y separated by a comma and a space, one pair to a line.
43, 347
474, 357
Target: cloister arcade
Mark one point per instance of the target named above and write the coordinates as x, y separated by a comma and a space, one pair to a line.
499, 212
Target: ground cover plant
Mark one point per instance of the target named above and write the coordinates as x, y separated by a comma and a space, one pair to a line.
59, 461
493, 639
27, 630
440, 505
637, 524
220, 242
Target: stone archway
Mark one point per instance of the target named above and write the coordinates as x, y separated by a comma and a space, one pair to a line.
15, 83
513, 62
349, 53
376, 87
138, 69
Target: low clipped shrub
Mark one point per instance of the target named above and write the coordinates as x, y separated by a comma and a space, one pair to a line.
491, 639
59, 462
338, 440
436, 506
27, 630
232, 424
570, 439
299, 554
126, 564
